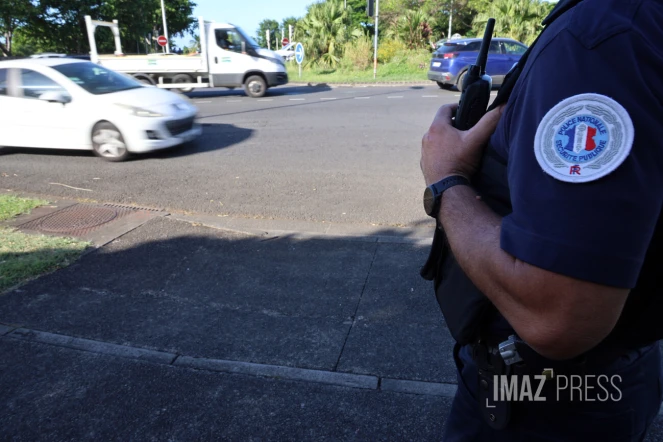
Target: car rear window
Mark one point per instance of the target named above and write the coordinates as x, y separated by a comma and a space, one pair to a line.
462, 47
473, 46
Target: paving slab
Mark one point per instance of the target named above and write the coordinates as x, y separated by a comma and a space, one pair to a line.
55, 394
399, 330
185, 289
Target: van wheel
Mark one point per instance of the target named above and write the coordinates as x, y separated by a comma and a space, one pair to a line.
108, 143
144, 79
183, 78
255, 86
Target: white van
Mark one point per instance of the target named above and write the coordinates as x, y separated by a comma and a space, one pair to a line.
228, 58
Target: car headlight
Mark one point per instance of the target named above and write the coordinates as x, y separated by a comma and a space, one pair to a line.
137, 111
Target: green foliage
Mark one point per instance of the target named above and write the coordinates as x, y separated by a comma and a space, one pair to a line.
59, 25
324, 30
413, 29
290, 21
274, 33
517, 19
13, 15
387, 49
358, 53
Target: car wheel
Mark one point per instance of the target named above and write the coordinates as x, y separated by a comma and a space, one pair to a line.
108, 143
183, 78
255, 86
461, 78
445, 86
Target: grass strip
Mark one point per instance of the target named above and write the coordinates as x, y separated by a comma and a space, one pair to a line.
24, 257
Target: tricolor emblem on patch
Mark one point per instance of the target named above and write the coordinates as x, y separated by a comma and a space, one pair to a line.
583, 138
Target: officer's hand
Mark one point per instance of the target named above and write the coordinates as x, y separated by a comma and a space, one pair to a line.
447, 151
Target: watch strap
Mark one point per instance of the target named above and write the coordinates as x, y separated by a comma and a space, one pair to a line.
435, 191
448, 182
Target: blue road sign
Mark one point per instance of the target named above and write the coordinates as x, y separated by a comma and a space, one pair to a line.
299, 53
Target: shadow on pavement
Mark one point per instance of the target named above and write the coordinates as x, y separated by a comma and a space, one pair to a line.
349, 306
338, 305
271, 92
216, 136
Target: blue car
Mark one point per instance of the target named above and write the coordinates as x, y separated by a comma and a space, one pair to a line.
453, 57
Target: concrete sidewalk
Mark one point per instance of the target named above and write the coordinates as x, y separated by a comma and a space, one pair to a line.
183, 332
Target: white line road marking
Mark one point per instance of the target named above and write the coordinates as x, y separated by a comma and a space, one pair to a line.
202, 102
457, 95
266, 99
429, 96
233, 101
398, 96
362, 98
328, 98
298, 99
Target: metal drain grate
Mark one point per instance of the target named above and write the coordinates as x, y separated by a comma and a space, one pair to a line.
120, 206
77, 220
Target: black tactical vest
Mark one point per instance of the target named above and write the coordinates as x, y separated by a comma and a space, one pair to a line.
468, 312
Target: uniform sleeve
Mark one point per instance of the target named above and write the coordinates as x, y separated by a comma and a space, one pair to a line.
585, 140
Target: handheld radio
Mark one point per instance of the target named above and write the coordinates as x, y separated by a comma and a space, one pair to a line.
476, 86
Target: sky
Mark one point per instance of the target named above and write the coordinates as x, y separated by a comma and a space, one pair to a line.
247, 14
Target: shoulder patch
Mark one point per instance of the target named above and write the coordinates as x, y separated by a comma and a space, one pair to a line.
583, 138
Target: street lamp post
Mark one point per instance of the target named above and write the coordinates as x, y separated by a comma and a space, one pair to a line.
451, 13
375, 55
165, 28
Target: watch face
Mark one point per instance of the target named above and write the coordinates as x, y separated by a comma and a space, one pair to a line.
429, 201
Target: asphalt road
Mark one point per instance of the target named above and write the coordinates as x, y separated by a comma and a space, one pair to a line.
341, 155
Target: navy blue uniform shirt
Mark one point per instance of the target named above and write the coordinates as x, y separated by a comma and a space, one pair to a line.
583, 135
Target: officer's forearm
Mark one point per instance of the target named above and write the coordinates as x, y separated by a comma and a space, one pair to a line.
560, 317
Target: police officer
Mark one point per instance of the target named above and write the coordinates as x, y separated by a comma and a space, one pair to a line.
551, 207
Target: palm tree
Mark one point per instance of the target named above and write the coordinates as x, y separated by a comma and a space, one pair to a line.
324, 30
413, 28
517, 19
195, 43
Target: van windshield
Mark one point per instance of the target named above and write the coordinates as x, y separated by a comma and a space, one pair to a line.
249, 41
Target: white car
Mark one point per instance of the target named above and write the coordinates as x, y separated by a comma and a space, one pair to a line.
64, 103
287, 51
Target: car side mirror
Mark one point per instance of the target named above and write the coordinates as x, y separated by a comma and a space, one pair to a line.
55, 97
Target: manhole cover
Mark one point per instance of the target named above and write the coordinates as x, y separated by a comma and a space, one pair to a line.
77, 218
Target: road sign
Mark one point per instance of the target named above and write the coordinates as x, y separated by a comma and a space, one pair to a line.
162, 40
299, 53
285, 42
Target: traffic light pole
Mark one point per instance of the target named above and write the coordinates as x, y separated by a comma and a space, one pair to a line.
165, 28
375, 55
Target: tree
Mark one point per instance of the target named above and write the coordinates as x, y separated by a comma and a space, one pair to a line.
324, 31
413, 29
358, 17
13, 14
263, 27
286, 23
59, 25
517, 19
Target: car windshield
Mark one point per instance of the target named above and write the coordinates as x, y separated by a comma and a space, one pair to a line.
96, 79
249, 41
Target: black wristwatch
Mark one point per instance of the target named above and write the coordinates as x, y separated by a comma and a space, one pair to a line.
433, 193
